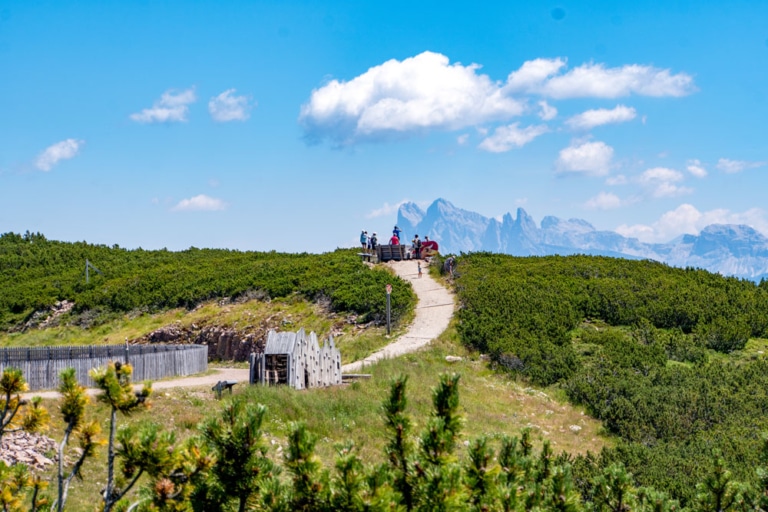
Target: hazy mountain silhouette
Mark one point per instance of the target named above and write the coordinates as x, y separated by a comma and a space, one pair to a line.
736, 250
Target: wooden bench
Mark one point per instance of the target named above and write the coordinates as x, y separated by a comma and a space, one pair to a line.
393, 252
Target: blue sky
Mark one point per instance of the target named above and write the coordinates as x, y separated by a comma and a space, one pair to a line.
293, 125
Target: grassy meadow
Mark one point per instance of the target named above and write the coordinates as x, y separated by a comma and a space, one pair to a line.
492, 404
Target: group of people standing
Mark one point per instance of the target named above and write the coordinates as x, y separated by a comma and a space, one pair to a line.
369, 243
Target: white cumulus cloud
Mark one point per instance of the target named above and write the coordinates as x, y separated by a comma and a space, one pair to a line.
200, 203
512, 136
55, 153
428, 92
533, 73
597, 117
733, 166
603, 201
541, 76
547, 112
591, 158
417, 93
662, 182
695, 167
687, 219
173, 106
229, 107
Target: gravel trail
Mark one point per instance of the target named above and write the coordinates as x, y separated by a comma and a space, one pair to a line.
433, 314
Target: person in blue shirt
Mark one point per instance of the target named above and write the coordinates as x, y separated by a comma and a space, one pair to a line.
398, 233
364, 240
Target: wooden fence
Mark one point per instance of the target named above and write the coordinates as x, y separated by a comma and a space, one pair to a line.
41, 365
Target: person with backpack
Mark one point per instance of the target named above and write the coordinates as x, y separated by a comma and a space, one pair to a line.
373, 241
416, 247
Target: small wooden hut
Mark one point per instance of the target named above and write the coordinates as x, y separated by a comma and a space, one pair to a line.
297, 360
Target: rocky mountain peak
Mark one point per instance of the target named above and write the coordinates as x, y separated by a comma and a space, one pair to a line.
729, 249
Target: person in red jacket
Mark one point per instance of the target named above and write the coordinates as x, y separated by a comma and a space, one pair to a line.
394, 240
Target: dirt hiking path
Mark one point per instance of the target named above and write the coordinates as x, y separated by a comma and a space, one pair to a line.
433, 313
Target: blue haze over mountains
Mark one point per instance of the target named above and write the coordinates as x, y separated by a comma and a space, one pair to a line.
728, 249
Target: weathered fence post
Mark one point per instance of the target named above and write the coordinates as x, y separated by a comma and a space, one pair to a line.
389, 292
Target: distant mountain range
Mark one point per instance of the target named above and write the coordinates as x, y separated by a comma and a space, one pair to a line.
728, 249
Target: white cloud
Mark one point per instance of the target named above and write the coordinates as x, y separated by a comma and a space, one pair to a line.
657, 174
696, 168
508, 137
619, 179
228, 107
592, 118
427, 92
592, 80
171, 107
686, 219
547, 112
462, 139
200, 203
533, 73
55, 153
397, 97
662, 182
733, 166
603, 201
591, 158
387, 209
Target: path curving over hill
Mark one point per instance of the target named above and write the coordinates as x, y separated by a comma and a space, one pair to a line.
433, 314
434, 311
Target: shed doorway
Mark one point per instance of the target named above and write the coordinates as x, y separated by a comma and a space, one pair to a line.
276, 369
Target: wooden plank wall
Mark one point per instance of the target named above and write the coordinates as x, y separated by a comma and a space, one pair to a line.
41, 365
322, 364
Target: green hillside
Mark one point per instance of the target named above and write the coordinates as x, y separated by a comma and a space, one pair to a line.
35, 273
671, 361
661, 355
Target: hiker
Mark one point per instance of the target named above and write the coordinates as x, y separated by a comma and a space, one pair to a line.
448, 265
397, 232
394, 240
416, 247
419, 265
364, 240
373, 241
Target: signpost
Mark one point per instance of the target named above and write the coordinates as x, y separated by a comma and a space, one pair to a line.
389, 304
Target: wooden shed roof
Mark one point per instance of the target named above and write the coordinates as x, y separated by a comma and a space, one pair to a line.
280, 342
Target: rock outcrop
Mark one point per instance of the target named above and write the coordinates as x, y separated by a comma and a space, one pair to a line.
224, 343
